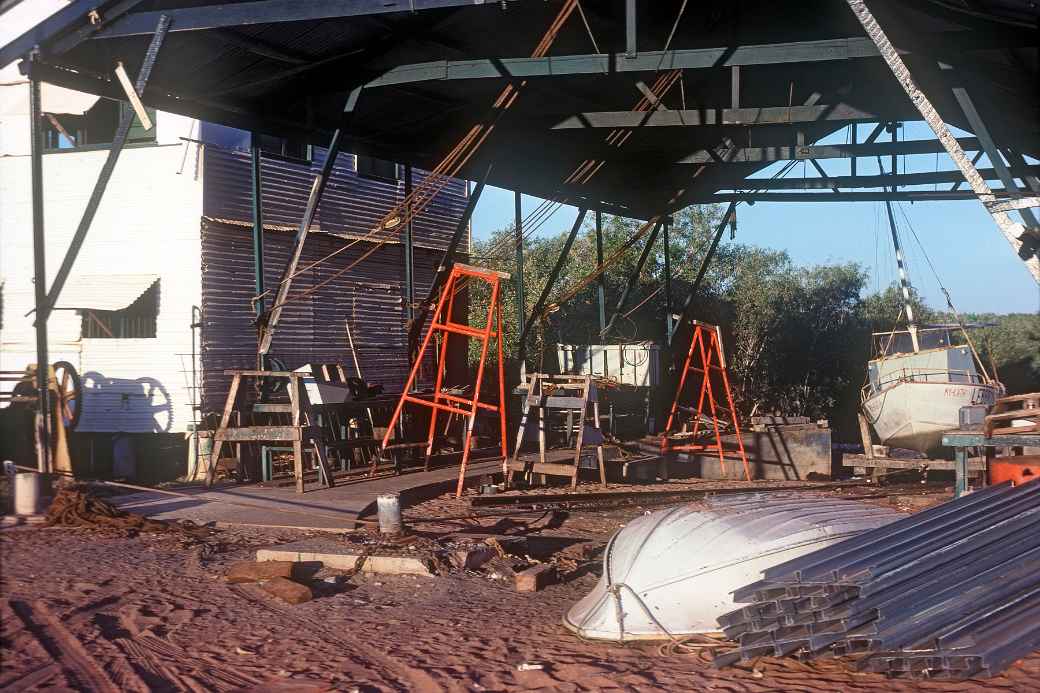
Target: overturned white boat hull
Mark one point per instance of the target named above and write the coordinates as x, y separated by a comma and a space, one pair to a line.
914, 415
672, 572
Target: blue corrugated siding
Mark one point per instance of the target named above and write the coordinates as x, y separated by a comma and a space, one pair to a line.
311, 330
350, 204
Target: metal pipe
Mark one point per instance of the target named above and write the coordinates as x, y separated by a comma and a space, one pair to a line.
40, 279
633, 279
518, 229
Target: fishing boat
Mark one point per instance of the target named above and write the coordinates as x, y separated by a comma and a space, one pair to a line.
921, 376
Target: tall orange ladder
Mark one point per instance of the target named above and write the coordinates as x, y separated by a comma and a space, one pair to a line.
704, 357
441, 400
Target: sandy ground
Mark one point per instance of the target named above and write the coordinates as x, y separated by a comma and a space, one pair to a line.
85, 610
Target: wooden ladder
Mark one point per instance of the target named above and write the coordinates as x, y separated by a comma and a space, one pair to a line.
443, 400
570, 395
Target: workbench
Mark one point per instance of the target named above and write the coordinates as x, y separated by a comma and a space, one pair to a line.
961, 441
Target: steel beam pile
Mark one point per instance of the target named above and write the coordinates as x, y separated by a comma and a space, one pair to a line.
950, 592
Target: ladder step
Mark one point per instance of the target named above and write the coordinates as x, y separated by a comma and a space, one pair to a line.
461, 329
402, 446
467, 402
436, 405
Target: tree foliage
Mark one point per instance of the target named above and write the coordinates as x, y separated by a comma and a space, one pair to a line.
797, 338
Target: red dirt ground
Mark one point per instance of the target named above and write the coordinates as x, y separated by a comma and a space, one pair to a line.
85, 610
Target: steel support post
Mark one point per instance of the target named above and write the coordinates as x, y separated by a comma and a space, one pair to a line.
42, 428
444, 268
409, 252
258, 235
630, 29
665, 232
978, 126
518, 230
960, 471
553, 275
852, 138
708, 256
633, 279
601, 281
317, 189
126, 119
601, 289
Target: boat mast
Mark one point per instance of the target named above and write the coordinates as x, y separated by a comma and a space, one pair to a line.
904, 279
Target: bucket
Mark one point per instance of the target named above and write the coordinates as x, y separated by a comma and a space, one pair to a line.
388, 509
27, 493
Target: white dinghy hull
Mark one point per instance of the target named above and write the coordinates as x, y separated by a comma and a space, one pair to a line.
672, 572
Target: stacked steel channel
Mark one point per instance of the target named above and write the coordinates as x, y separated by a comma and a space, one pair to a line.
950, 592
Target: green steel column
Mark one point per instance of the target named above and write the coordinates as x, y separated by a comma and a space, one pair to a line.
258, 239
601, 288
409, 251
518, 228
667, 282
40, 279
258, 222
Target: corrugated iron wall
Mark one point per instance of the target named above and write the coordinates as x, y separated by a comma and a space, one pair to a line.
370, 295
312, 329
351, 204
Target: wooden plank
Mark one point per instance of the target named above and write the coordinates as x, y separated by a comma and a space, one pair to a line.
225, 418
975, 464
258, 434
567, 470
273, 374
264, 408
535, 578
1014, 414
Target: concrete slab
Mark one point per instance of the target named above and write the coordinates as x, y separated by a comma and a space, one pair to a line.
342, 557
337, 509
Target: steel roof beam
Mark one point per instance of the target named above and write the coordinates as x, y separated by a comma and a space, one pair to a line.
879, 181
769, 115
875, 196
273, 12
755, 155
611, 63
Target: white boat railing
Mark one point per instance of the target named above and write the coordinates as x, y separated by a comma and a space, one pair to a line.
924, 375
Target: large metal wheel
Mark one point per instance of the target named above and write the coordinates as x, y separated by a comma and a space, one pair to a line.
70, 393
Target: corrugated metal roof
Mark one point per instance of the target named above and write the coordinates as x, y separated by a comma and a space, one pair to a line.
951, 592
104, 291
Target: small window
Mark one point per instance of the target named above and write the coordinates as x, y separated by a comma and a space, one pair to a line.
97, 127
136, 321
288, 149
378, 169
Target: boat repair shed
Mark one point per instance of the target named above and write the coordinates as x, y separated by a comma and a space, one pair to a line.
621, 106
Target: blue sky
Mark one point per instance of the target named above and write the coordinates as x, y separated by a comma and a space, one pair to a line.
971, 258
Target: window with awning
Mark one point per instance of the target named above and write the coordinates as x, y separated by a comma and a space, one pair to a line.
114, 306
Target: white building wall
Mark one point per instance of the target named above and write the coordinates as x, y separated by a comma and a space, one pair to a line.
148, 223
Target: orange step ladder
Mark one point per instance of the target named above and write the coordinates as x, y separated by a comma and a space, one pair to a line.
704, 357
441, 400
